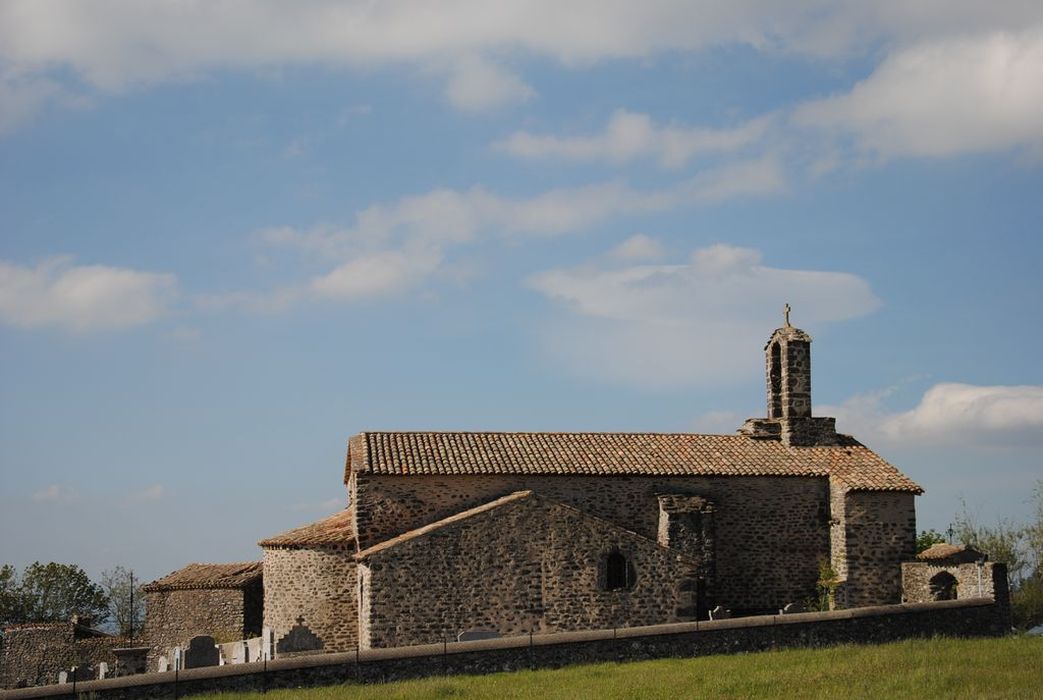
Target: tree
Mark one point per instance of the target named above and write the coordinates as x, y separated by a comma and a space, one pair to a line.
1034, 534
1003, 541
126, 600
55, 592
10, 599
1021, 548
928, 538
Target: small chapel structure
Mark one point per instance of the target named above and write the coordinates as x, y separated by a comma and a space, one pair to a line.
454, 533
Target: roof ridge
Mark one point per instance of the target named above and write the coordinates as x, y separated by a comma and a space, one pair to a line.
222, 575
548, 432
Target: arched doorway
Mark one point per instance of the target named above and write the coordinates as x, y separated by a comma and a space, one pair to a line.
943, 586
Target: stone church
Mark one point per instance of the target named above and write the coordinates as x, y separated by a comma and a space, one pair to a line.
447, 532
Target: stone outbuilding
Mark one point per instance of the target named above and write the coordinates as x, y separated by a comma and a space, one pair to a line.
450, 532
35, 653
952, 572
224, 601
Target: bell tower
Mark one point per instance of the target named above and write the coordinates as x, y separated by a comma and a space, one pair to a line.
787, 359
787, 364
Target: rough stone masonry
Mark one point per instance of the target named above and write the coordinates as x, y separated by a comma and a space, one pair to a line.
449, 532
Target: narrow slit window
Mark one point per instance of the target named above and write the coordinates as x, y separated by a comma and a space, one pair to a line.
619, 573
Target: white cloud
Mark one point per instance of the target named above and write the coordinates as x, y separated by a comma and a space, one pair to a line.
948, 413
638, 247
629, 135
696, 322
54, 494
82, 298
399, 246
113, 44
477, 85
951, 96
154, 492
380, 273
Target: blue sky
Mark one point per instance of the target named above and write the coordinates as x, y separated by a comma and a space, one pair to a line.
234, 234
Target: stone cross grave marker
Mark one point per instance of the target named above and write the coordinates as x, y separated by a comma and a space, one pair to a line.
299, 639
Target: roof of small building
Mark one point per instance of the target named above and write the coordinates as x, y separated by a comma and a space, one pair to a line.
937, 552
236, 575
849, 463
336, 529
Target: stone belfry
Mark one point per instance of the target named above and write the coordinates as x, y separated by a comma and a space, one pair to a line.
788, 368
787, 360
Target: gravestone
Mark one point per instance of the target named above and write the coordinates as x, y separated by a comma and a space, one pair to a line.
476, 633
267, 644
103, 671
254, 649
162, 665
131, 661
234, 652
63, 677
202, 652
299, 640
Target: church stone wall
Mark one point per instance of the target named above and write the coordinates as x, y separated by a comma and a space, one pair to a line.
172, 618
878, 534
318, 584
770, 531
524, 566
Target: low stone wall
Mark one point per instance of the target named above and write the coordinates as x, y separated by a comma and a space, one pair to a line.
964, 618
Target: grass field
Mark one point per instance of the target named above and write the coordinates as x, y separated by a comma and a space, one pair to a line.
940, 668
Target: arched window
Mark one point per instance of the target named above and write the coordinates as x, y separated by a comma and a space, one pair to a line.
775, 382
619, 573
943, 586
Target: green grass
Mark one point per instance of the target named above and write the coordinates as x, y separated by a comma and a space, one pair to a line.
1011, 667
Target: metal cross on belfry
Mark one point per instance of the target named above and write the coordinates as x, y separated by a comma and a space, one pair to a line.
785, 311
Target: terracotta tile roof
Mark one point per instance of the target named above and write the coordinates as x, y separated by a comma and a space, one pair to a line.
336, 529
236, 575
937, 552
851, 464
